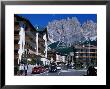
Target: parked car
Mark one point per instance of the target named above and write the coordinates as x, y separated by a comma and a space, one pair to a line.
58, 67
46, 67
52, 68
38, 69
91, 71
72, 67
43, 69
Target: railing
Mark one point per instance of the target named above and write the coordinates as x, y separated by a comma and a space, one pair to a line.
31, 43
86, 47
85, 52
16, 37
85, 56
16, 46
29, 33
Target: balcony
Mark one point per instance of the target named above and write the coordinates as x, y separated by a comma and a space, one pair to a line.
81, 47
27, 38
31, 43
16, 37
30, 34
85, 52
16, 46
16, 56
85, 56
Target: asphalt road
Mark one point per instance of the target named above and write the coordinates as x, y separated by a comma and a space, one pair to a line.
69, 72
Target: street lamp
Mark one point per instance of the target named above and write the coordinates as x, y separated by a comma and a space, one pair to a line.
89, 53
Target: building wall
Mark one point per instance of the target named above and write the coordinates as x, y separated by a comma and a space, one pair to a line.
52, 55
30, 42
86, 54
41, 44
16, 40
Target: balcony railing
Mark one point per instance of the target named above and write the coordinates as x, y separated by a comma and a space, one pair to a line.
16, 46
31, 44
16, 37
29, 33
85, 56
85, 52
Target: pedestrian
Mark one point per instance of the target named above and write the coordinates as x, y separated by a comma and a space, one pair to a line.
21, 68
25, 69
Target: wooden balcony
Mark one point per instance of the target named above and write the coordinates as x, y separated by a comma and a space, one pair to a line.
16, 56
81, 47
41, 40
16, 46
30, 34
27, 38
85, 56
85, 52
16, 37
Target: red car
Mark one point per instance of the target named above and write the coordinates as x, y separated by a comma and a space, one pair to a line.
43, 69
38, 70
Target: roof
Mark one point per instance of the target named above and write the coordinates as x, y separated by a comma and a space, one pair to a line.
57, 44
40, 29
24, 19
54, 45
61, 49
94, 42
64, 51
43, 31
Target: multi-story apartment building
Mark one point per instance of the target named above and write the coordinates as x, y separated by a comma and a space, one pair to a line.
86, 54
29, 42
24, 40
51, 55
42, 45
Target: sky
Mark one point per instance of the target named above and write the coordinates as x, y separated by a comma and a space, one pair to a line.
42, 20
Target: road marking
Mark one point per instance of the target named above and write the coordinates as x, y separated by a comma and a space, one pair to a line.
64, 70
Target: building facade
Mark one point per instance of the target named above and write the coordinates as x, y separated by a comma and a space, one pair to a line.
42, 45
85, 55
29, 42
24, 40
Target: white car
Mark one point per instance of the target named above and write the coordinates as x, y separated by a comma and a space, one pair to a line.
58, 68
72, 67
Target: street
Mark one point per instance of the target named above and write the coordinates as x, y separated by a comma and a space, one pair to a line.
64, 72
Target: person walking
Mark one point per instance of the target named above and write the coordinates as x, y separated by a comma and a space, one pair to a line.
25, 69
21, 68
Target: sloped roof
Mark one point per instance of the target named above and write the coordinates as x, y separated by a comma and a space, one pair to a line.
94, 42
20, 18
54, 45
61, 49
64, 51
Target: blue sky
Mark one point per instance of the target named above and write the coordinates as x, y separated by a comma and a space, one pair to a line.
43, 19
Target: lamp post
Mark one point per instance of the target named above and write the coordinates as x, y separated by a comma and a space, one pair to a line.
72, 55
89, 53
89, 59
